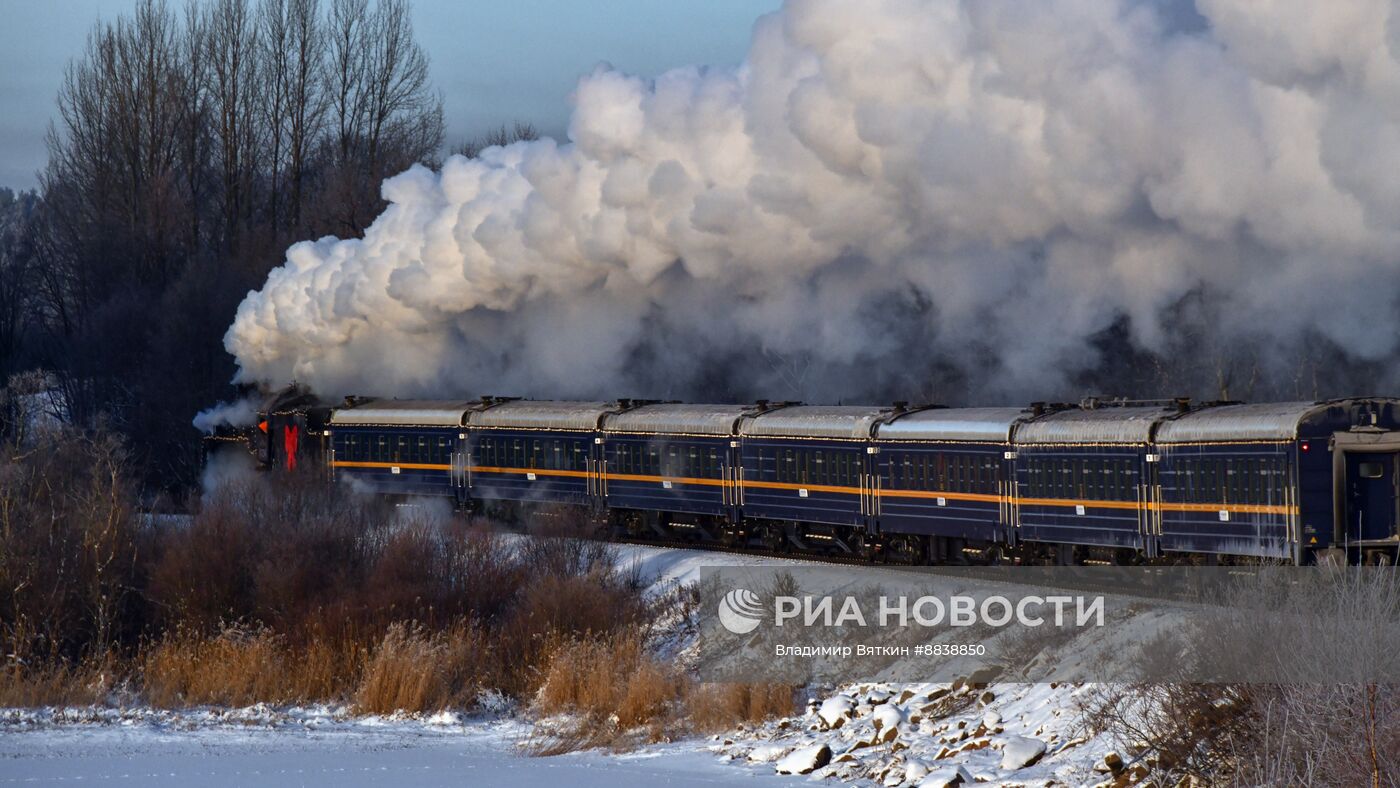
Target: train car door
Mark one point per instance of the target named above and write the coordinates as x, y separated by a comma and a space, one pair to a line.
1372, 494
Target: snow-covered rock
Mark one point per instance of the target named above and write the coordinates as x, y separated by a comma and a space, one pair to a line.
947, 777
767, 753
805, 760
835, 710
888, 719
1021, 751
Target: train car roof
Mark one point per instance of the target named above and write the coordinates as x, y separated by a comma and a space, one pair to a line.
815, 421
528, 414
1105, 424
1264, 421
953, 424
679, 419
405, 413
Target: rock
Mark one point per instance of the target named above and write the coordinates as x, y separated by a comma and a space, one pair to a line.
878, 697
905, 697
888, 716
986, 698
981, 677
914, 771
975, 744
804, 760
938, 693
947, 777
835, 710
767, 753
1021, 751
1112, 762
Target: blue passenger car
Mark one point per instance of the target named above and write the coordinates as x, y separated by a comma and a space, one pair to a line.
535, 451
1081, 479
1280, 480
400, 447
808, 465
946, 473
680, 461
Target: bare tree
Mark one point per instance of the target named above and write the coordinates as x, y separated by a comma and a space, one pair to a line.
382, 113
233, 42
502, 136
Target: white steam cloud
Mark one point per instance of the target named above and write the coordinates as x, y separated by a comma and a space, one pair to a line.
240, 413
975, 198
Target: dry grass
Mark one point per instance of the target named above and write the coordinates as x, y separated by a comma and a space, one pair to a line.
414, 670
714, 707
609, 679
60, 685
238, 667
616, 693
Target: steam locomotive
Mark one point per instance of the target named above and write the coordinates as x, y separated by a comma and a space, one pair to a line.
1102, 481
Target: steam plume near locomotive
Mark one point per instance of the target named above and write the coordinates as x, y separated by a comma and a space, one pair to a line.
954, 200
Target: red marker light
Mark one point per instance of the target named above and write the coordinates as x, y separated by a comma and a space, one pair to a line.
1303, 445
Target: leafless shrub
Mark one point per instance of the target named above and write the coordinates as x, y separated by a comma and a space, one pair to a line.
68, 548
1324, 711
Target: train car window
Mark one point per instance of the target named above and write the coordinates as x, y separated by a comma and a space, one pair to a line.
787, 472
381, 448
819, 467
1370, 470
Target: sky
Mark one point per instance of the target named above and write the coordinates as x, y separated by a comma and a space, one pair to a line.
494, 62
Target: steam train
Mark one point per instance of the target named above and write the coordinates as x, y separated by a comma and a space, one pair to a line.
1101, 481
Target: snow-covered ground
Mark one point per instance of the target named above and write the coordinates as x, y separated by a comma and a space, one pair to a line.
871, 734
255, 747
